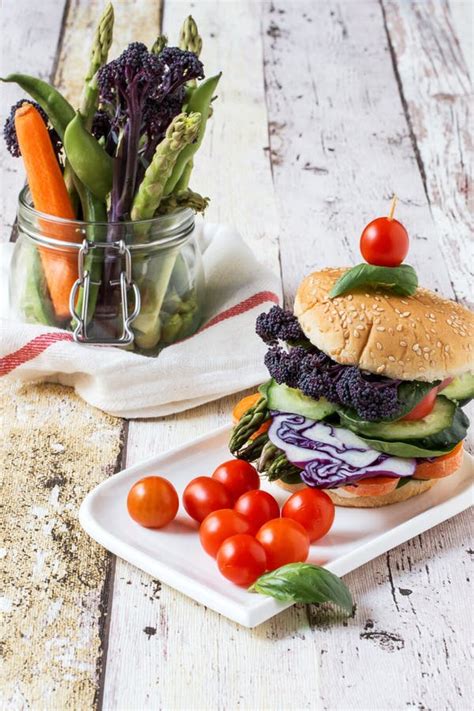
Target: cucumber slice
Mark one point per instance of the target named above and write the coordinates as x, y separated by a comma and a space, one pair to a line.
435, 445
461, 388
285, 399
440, 418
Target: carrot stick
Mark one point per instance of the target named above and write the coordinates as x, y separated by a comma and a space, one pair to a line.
50, 195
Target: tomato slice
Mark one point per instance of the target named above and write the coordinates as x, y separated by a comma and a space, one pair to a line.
373, 486
441, 466
424, 407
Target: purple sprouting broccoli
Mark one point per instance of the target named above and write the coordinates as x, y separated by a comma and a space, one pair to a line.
9, 131
319, 375
134, 91
278, 325
284, 366
305, 367
373, 397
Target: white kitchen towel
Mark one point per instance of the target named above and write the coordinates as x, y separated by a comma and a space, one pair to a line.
223, 357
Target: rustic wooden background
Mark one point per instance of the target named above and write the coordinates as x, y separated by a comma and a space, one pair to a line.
325, 109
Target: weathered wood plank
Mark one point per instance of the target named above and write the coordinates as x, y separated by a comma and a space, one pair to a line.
30, 36
437, 94
180, 655
54, 449
340, 146
57, 579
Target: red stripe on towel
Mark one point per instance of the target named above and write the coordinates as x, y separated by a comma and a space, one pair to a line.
39, 344
29, 351
241, 308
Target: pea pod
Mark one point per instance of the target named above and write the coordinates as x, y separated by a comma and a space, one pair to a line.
88, 159
59, 110
200, 101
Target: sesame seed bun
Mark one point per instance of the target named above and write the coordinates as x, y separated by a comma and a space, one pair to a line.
419, 337
343, 498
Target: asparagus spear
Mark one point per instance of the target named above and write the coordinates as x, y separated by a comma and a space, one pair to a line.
189, 38
200, 101
248, 424
183, 198
98, 57
159, 44
180, 133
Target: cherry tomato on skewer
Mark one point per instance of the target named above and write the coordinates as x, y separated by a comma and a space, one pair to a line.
384, 241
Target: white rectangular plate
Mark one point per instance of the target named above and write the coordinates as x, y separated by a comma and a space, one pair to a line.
174, 554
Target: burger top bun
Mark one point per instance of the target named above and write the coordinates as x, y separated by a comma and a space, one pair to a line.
419, 337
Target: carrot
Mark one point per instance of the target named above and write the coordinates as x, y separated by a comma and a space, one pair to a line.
441, 466
373, 486
243, 406
50, 196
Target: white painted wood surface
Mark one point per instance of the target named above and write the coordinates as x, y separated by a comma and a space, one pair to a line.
309, 139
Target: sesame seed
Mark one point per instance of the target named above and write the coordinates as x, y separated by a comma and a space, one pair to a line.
405, 314
356, 334
447, 349
392, 359
349, 298
360, 327
380, 368
403, 344
426, 356
390, 330
379, 346
416, 347
403, 301
399, 327
380, 328
426, 349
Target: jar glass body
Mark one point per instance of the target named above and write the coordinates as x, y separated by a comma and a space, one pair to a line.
90, 278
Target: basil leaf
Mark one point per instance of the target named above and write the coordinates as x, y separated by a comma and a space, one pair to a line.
304, 582
401, 280
416, 448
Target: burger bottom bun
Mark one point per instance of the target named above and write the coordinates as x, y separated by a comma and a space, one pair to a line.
413, 488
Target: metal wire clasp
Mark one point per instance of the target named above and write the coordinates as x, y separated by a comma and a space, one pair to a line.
84, 282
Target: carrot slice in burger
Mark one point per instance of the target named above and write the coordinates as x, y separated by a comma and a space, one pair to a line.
373, 486
441, 466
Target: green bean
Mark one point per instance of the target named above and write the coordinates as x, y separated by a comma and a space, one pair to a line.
60, 111
88, 159
199, 102
93, 211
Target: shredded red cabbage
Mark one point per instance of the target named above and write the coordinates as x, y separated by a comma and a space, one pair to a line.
332, 456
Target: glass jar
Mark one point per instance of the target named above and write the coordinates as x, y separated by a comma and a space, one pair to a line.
137, 284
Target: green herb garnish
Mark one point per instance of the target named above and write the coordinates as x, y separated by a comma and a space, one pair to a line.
304, 582
400, 280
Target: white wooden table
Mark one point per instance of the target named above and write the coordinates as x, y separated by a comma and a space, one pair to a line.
325, 110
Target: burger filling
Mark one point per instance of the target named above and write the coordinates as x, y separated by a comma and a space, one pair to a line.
331, 425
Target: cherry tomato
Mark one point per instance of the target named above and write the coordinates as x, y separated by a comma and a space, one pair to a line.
241, 559
237, 476
204, 495
424, 407
384, 242
218, 526
285, 541
313, 509
152, 502
258, 507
